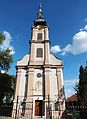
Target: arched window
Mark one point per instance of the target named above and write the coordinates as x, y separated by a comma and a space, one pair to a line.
39, 36
39, 52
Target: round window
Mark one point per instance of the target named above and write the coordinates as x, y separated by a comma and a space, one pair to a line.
39, 75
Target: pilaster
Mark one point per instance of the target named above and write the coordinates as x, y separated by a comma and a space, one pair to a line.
47, 81
30, 82
61, 94
47, 52
18, 78
46, 33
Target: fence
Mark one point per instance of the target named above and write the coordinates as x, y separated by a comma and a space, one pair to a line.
71, 112
76, 112
6, 110
25, 112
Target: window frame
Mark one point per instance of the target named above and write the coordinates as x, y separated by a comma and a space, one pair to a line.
39, 52
39, 36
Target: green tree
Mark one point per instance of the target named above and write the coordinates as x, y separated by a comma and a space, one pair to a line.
5, 57
2, 38
7, 86
81, 87
7, 82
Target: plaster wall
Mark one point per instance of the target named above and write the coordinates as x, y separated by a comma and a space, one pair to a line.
54, 85
22, 83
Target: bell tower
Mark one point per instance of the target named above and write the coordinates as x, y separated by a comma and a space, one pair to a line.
40, 44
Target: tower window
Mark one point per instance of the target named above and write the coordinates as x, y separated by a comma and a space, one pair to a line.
39, 36
39, 52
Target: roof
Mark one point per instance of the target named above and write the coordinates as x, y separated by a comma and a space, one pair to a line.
72, 98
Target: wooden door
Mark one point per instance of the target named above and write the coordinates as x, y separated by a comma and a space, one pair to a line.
38, 107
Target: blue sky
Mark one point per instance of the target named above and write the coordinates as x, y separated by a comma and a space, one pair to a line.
67, 20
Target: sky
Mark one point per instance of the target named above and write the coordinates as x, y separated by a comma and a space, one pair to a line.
67, 20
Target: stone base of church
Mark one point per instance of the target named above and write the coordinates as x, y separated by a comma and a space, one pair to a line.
37, 108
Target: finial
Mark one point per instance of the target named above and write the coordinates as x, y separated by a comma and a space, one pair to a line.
39, 2
40, 18
40, 5
40, 12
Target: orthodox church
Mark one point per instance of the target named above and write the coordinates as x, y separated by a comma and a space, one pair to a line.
39, 84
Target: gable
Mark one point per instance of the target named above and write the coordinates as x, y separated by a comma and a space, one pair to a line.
55, 61
24, 61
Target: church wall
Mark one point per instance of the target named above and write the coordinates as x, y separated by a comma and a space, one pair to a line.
55, 61
32, 53
24, 61
34, 60
38, 82
35, 32
39, 46
22, 83
54, 86
62, 82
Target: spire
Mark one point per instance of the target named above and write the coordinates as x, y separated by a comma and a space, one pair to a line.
40, 18
40, 12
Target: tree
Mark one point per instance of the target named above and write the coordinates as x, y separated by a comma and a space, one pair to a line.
2, 38
81, 89
7, 86
7, 82
5, 57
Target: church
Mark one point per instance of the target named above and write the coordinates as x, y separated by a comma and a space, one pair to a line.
39, 77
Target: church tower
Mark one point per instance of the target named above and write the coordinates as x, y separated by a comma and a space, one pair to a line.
39, 85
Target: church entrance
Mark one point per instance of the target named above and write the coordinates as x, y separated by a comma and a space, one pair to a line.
38, 107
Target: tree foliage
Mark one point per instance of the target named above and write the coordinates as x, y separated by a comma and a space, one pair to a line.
2, 38
5, 57
7, 82
81, 87
7, 86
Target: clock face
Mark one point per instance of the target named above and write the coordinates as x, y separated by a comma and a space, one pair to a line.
39, 75
40, 28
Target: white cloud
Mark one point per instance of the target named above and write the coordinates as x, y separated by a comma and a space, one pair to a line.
69, 87
7, 42
69, 92
55, 49
85, 27
73, 81
78, 45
